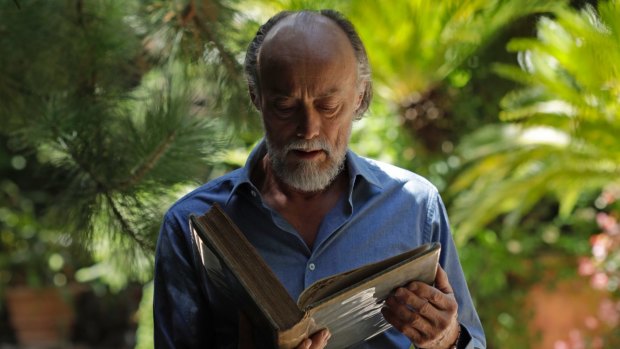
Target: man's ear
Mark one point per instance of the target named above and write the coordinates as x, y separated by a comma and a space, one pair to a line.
254, 98
360, 95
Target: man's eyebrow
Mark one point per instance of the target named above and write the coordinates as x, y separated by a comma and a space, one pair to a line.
277, 92
332, 91
276, 95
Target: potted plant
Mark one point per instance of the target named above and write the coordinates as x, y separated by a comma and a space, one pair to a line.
36, 271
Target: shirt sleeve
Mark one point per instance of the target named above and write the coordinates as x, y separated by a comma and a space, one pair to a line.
472, 332
180, 307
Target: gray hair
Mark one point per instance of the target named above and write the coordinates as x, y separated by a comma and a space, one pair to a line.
363, 67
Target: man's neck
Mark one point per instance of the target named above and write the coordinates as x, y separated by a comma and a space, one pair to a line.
303, 210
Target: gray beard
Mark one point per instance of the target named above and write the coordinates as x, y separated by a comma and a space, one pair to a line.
307, 175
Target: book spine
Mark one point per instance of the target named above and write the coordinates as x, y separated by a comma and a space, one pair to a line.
263, 333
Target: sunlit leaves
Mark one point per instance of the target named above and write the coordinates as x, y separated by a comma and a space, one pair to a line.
417, 44
570, 74
116, 128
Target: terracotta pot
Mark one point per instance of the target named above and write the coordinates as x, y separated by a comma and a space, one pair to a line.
41, 317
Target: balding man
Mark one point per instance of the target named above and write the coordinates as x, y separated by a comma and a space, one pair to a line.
310, 206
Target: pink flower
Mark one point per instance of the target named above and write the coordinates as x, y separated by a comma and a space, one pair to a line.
610, 195
597, 342
609, 312
601, 219
607, 222
600, 244
576, 339
586, 267
599, 281
607, 197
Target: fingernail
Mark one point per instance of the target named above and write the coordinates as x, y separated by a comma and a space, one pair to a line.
413, 287
400, 293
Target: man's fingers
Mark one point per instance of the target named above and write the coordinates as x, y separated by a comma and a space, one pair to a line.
422, 312
414, 334
421, 334
321, 338
316, 341
305, 344
425, 294
441, 281
415, 302
412, 311
440, 295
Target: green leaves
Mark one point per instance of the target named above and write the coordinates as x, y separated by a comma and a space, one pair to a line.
417, 44
566, 142
118, 133
211, 36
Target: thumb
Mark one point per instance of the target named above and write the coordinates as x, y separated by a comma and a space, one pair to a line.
441, 281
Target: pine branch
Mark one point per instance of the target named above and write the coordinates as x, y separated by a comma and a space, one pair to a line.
150, 163
126, 225
232, 66
99, 184
102, 188
230, 63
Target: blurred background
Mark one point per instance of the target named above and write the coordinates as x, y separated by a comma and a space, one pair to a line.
110, 110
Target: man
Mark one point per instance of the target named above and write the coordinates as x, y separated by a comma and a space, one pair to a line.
311, 207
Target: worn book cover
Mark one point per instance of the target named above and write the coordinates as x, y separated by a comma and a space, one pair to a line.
348, 304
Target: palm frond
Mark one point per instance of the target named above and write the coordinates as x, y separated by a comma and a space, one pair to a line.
566, 141
418, 43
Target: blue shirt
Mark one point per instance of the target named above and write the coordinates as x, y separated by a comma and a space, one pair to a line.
386, 211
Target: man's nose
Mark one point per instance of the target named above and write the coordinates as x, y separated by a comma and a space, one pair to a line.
309, 124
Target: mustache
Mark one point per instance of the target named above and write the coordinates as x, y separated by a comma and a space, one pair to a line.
309, 145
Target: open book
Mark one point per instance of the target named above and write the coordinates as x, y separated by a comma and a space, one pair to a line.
348, 304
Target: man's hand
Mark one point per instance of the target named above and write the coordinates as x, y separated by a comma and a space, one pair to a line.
317, 341
427, 315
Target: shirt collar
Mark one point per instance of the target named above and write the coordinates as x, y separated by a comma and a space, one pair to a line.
245, 172
358, 169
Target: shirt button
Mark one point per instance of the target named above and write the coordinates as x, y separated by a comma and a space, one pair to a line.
311, 266
253, 193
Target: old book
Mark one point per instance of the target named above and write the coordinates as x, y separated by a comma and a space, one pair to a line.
348, 304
